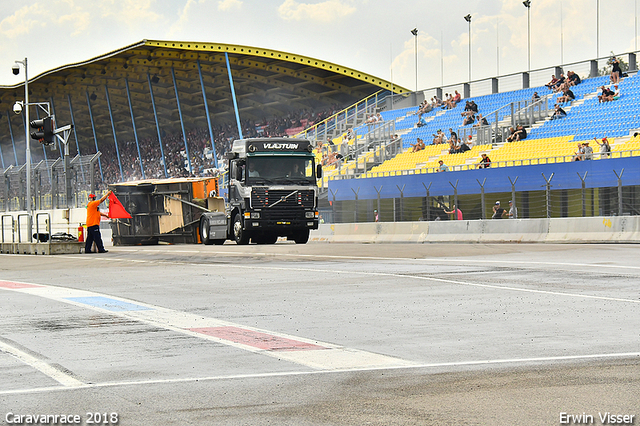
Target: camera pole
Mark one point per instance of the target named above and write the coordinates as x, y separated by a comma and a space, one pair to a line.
27, 143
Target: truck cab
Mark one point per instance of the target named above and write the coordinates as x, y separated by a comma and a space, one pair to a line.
272, 190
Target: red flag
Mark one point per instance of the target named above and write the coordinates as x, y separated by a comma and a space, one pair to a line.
116, 209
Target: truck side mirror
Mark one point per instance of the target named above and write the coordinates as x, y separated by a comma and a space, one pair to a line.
318, 171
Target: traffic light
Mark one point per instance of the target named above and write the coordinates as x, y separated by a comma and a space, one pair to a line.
44, 130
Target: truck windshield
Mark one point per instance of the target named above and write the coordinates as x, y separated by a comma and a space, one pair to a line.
280, 170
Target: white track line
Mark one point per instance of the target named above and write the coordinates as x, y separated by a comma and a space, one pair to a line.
456, 260
40, 365
402, 276
471, 363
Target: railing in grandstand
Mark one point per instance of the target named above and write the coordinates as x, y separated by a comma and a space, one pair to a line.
522, 112
376, 146
535, 78
340, 120
494, 164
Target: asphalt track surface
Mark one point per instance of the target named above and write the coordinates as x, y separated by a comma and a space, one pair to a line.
323, 334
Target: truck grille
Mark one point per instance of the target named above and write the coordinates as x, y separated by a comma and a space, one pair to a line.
262, 198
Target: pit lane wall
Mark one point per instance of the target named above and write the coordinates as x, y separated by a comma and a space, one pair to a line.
616, 229
14, 224
599, 229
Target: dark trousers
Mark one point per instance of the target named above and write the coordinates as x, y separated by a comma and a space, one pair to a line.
93, 235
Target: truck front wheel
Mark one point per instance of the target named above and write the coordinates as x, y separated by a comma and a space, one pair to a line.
301, 237
239, 235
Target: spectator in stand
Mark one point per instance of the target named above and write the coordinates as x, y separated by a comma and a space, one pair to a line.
485, 162
469, 120
558, 113
616, 72
535, 97
446, 101
605, 148
556, 87
550, 85
470, 108
567, 95
456, 98
616, 93
463, 147
588, 151
512, 133
482, 121
442, 167
573, 78
419, 145
521, 133
453, 147
605, 95
425, 107
439, 137
453, 136
578, 155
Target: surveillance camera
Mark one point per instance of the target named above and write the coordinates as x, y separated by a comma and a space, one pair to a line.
17, 107
15, 69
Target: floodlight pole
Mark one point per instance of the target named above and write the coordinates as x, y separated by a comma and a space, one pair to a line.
28, 147
468, 19
415, 52
527, 4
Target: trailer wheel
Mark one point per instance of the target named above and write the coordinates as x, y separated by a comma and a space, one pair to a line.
239, 235
204, 232
301, 237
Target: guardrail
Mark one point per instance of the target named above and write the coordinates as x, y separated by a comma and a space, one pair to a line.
320, 131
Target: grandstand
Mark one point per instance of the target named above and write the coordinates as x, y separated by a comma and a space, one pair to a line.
372, 160
549, 143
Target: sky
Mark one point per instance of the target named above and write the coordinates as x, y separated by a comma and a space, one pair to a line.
372, 36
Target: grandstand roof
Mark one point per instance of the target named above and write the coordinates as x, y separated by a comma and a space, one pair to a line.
268, 83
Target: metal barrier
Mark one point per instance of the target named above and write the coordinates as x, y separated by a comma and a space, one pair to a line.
13, 229
48, 225
28, 216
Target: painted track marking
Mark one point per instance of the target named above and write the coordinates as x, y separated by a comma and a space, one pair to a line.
307, 352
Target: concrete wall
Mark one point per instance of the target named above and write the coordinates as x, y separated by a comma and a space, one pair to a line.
62, 220
615, 229
625, 229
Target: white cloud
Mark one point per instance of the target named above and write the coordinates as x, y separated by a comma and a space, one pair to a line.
22, 21
326, 11
130, 12
229, 4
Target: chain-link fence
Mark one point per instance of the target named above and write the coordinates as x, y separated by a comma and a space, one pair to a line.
547, 194
54, 183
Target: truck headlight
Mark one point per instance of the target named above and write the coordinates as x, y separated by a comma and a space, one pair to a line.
310, 215
255, 215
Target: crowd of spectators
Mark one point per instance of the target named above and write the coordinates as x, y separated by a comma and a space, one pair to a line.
200, 160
